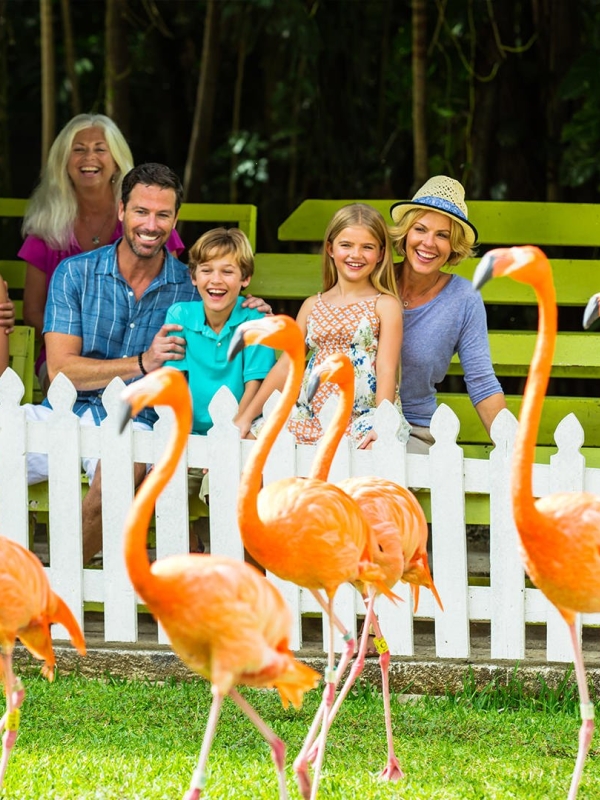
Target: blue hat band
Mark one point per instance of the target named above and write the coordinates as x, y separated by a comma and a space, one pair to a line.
444, 205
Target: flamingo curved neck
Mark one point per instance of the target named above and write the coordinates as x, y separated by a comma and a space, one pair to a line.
533, 400
142, 508
333, 435
251, 480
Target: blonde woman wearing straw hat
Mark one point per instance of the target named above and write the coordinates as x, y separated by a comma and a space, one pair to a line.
443, 315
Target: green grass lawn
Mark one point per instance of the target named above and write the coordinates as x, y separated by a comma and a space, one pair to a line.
118, 740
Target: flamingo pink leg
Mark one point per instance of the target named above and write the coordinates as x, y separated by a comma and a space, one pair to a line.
332, 678
276, 744
587, 714
356, 670
198, 781
15, 693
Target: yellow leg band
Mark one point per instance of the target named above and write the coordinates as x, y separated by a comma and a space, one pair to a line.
13, 719
587, 711
381, 645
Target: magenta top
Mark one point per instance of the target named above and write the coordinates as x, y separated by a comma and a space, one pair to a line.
40, 255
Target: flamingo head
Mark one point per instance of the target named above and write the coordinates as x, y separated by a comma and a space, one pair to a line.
336, 368
591, 313
164, 386
526, 264
277, 331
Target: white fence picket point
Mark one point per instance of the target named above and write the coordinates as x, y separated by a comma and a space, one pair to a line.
116, 450
388, 451
11, 388
567, 474
449, 536
224, 469
64, 498
507, 579
14, 518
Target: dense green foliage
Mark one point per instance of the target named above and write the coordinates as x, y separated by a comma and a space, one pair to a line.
324, 92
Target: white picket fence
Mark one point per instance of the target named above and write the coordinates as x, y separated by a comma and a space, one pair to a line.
506, 603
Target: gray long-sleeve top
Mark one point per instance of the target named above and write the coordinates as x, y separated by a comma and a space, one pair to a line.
453, 322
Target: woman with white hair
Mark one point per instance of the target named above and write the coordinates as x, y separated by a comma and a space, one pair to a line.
74, 208
443, 314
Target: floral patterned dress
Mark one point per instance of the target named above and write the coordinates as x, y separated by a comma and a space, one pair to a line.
354, 330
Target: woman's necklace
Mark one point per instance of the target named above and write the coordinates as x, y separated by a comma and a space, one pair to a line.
407, 301
96, 238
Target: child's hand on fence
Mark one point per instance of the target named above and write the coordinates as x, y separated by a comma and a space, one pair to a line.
365, 444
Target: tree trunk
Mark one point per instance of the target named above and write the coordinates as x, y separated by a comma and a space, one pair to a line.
65, 6
237, 110
48, 78
5, 176
205, 101
116, 65
419, 88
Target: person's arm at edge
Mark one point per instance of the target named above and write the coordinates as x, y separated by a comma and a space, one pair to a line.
7, 310
34, 298
489, 407
3, 339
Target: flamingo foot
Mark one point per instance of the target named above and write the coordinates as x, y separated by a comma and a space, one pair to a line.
303, 779
392, 771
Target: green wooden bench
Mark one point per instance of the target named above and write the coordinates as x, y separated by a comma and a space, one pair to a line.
568, 225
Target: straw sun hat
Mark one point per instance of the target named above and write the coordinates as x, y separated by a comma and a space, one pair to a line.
441, 194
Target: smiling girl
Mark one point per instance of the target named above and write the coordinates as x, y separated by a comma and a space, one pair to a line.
357, 313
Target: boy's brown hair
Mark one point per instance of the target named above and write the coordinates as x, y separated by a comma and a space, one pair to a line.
221, 242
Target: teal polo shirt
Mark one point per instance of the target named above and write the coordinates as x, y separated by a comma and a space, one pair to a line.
206, 361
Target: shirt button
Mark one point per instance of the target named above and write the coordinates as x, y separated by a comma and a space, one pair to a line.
130, 294
218, 344
132, 324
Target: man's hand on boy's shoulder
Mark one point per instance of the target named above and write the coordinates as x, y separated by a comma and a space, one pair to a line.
257, 303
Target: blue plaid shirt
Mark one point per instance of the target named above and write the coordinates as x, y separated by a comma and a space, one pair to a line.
89, 298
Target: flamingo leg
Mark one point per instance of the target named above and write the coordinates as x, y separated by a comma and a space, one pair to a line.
392, 770
357, 668
276, 744
587, 714
332, 677
9, 723
198, 781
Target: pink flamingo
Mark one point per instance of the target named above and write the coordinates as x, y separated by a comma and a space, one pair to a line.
559, 534
303, 530
28, 607
398, 523
225, 620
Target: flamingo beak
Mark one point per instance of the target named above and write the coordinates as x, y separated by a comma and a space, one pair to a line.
237, 343
591, 313
484, 271
126, 413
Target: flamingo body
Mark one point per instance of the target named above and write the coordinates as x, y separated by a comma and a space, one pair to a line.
303, 529
28, 607
397, 522
224, 619
559, 534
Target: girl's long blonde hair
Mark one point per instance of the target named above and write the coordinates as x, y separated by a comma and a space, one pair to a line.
52, 209
361, 214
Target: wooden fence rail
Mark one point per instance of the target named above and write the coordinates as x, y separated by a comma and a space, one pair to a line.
506, 601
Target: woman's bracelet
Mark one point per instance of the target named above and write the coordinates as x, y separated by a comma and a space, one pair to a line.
141, 364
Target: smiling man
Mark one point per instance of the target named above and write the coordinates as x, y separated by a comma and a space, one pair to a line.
104, 317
